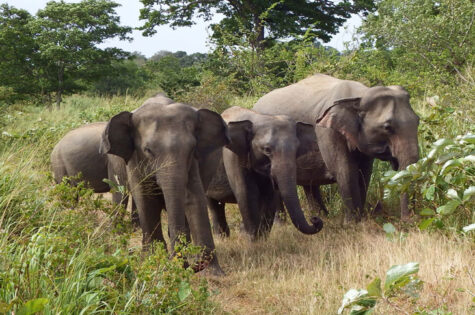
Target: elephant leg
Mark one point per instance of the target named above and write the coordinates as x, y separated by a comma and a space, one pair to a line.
365, 170
199, 224
343, 166
245, 190
280, 215
267, 206
218, 216
314, 199
150, 204
134, 215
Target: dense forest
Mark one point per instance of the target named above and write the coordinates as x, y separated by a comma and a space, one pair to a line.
67, 250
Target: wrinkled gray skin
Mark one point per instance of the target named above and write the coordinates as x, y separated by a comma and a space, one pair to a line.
354, 125
78, 152
260, 159
161, 143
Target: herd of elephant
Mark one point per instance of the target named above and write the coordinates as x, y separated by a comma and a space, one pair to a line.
318, 131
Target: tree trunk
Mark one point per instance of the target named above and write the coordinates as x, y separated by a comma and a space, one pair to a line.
59, 92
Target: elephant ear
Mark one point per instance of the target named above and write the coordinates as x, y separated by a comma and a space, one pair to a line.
343, 117
211, 132
240, 135
307, 138
117, 137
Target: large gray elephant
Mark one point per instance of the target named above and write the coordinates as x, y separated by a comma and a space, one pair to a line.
161, 144
78, 152
354, 125
260, 162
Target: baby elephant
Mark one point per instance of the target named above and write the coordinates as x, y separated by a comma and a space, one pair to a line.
257, 167
78, 152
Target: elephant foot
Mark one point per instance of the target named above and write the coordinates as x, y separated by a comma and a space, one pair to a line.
220, 231
208, 265
350, 220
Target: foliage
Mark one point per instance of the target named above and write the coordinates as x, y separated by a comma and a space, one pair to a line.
123, 77
64, 249
400, 280
445, 181
212, 93
433, 37
168, 74
16, 46
253, 20
57, 49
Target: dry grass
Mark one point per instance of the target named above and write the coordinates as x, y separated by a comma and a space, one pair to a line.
291, 273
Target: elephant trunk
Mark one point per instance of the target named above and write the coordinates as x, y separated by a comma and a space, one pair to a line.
285, 175
406, 152
172, 180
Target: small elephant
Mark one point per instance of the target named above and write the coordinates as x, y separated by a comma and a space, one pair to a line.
78, 152
354, 125
161, 144
260, 164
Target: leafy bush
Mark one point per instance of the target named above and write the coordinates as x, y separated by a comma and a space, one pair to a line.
445, 180
212, 93
67, 250
400, 280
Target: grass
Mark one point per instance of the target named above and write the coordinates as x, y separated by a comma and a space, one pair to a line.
291, 273
83, 255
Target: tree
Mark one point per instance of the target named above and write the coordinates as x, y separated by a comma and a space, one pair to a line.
433, 37
17, 48
67, 35
255, 19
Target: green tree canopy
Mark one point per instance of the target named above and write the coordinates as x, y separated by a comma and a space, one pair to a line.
434, 36
255, 20
17, 48
58, 48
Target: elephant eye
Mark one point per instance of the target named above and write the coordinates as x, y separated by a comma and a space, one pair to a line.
267, 150
388, 127
148, 151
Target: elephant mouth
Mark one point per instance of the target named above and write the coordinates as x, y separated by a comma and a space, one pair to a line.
383, 153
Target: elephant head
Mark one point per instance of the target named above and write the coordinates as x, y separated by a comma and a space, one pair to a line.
380, 124
270, 146
161, 141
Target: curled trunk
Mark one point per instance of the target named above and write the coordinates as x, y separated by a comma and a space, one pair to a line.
285, 176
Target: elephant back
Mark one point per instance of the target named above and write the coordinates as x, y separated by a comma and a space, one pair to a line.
309, 98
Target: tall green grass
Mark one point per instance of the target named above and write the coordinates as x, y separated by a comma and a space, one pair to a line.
66, 250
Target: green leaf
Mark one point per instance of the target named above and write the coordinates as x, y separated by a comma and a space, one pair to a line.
469, 138
452, 194
33, 306
427, 212
468, 193
424, 224
430, 192
470, 158
374, 288
389, 228
468, 228
398, 272
448, 208
352, 297
184, 290
442, 143
450, 165
400, 175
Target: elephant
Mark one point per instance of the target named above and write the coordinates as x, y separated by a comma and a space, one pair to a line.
78, 152
354, 125
161, 144
257, 167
